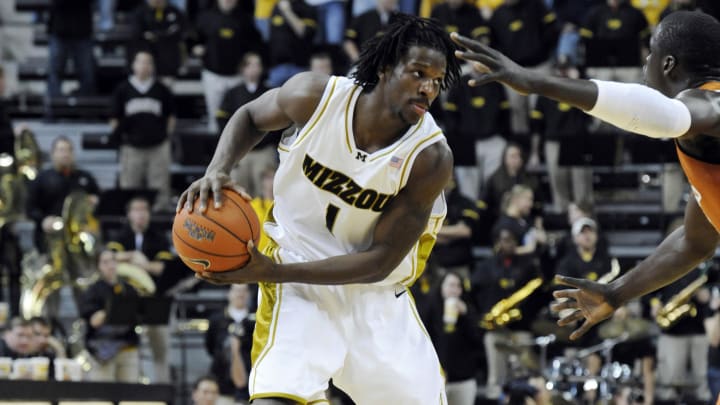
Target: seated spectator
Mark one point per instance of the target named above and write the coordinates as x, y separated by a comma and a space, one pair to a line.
47, 193
576, 211
585, 260
518, 203
228, 340
248, 171
113, 349
145, 247
143, 121
17, 340
44, 343
511, 172
205, 391
293, 28
225, 33
452, 324
367, 25
70, 29
160, 27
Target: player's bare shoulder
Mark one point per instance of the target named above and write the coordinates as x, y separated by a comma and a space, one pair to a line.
301, 94
704, 106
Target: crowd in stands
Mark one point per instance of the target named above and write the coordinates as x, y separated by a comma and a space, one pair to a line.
504, 144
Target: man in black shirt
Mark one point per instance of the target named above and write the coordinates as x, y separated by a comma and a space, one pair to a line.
143, 119
148, 249
113, 348
70, 30
248, 173
17, 341
160, 27
225, 33
477, 123
557, 122
525, 31
293, 27
462, 17
368, 25
47, 193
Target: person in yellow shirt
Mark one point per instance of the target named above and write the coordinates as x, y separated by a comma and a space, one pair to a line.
651, 8
263, 11
263, 202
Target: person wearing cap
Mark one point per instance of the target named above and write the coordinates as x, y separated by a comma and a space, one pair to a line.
585, 261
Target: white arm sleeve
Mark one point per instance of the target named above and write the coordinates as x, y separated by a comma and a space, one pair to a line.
640, 109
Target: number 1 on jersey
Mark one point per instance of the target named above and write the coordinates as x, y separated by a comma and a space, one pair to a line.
330, 216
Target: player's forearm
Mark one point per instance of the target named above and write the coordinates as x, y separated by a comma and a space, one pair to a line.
578, 93
674, 258
357, 268
237, 139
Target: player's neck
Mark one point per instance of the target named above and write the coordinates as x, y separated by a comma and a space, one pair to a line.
374, 125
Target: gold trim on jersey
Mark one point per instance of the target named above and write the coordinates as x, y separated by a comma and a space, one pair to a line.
421, 252
398, 144
347, 116
304, 132
412, 152
266, 320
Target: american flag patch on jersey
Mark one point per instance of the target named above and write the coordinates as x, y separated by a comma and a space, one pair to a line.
396, 162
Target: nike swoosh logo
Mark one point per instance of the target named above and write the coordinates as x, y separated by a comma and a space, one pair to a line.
398, 294
203, 262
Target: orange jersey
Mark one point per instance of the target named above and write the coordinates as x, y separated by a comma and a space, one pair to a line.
704, 177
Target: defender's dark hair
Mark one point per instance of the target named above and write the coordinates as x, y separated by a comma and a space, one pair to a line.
388, 49
693, 37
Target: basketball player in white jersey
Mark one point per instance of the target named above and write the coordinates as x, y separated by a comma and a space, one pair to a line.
358, 203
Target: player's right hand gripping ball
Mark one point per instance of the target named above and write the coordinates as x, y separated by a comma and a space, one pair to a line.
216, 240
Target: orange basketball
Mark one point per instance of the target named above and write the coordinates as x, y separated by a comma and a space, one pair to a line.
216, 239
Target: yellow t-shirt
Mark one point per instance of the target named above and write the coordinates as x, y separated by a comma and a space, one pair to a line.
651, 8
264, 8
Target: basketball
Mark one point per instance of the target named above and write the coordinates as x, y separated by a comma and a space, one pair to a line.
216, 239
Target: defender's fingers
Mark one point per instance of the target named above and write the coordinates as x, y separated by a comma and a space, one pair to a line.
467, 42
573, 317
561, 306
190, 201
573, 282
581, 330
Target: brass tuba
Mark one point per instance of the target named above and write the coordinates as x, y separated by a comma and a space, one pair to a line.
679, 306
505, 311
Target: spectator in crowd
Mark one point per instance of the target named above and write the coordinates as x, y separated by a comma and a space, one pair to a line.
248, 173
44, 343
7, 134
17, 341
511, 172
331, 21
652, 9
291, 35
263, 11
453, 248
47, 193
70, 28
477, 123
205, 391
557, 122
225, 34
712, 330
452, 324
616, 37
228, 340
497, 278
570, 15
140, 245
580, 210
461, 17
366, 26
143, 121
160, 27
113, 348
526, 31
321, 62
585, 260
517, 207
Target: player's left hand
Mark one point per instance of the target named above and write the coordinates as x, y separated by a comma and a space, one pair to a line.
492, 65
258, 268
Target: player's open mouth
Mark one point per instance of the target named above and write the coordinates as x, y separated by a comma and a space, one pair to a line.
420, 109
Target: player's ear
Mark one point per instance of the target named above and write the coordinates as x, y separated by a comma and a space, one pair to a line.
669, 63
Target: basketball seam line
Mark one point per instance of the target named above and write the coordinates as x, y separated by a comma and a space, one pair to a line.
252, 234
206, 252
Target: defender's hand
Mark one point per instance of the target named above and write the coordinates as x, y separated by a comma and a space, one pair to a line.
203, 188
258, 268
491, 65
588, 300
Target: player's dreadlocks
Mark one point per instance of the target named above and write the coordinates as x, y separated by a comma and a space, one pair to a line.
388, 49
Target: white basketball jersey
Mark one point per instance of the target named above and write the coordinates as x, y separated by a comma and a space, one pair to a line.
329, 194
